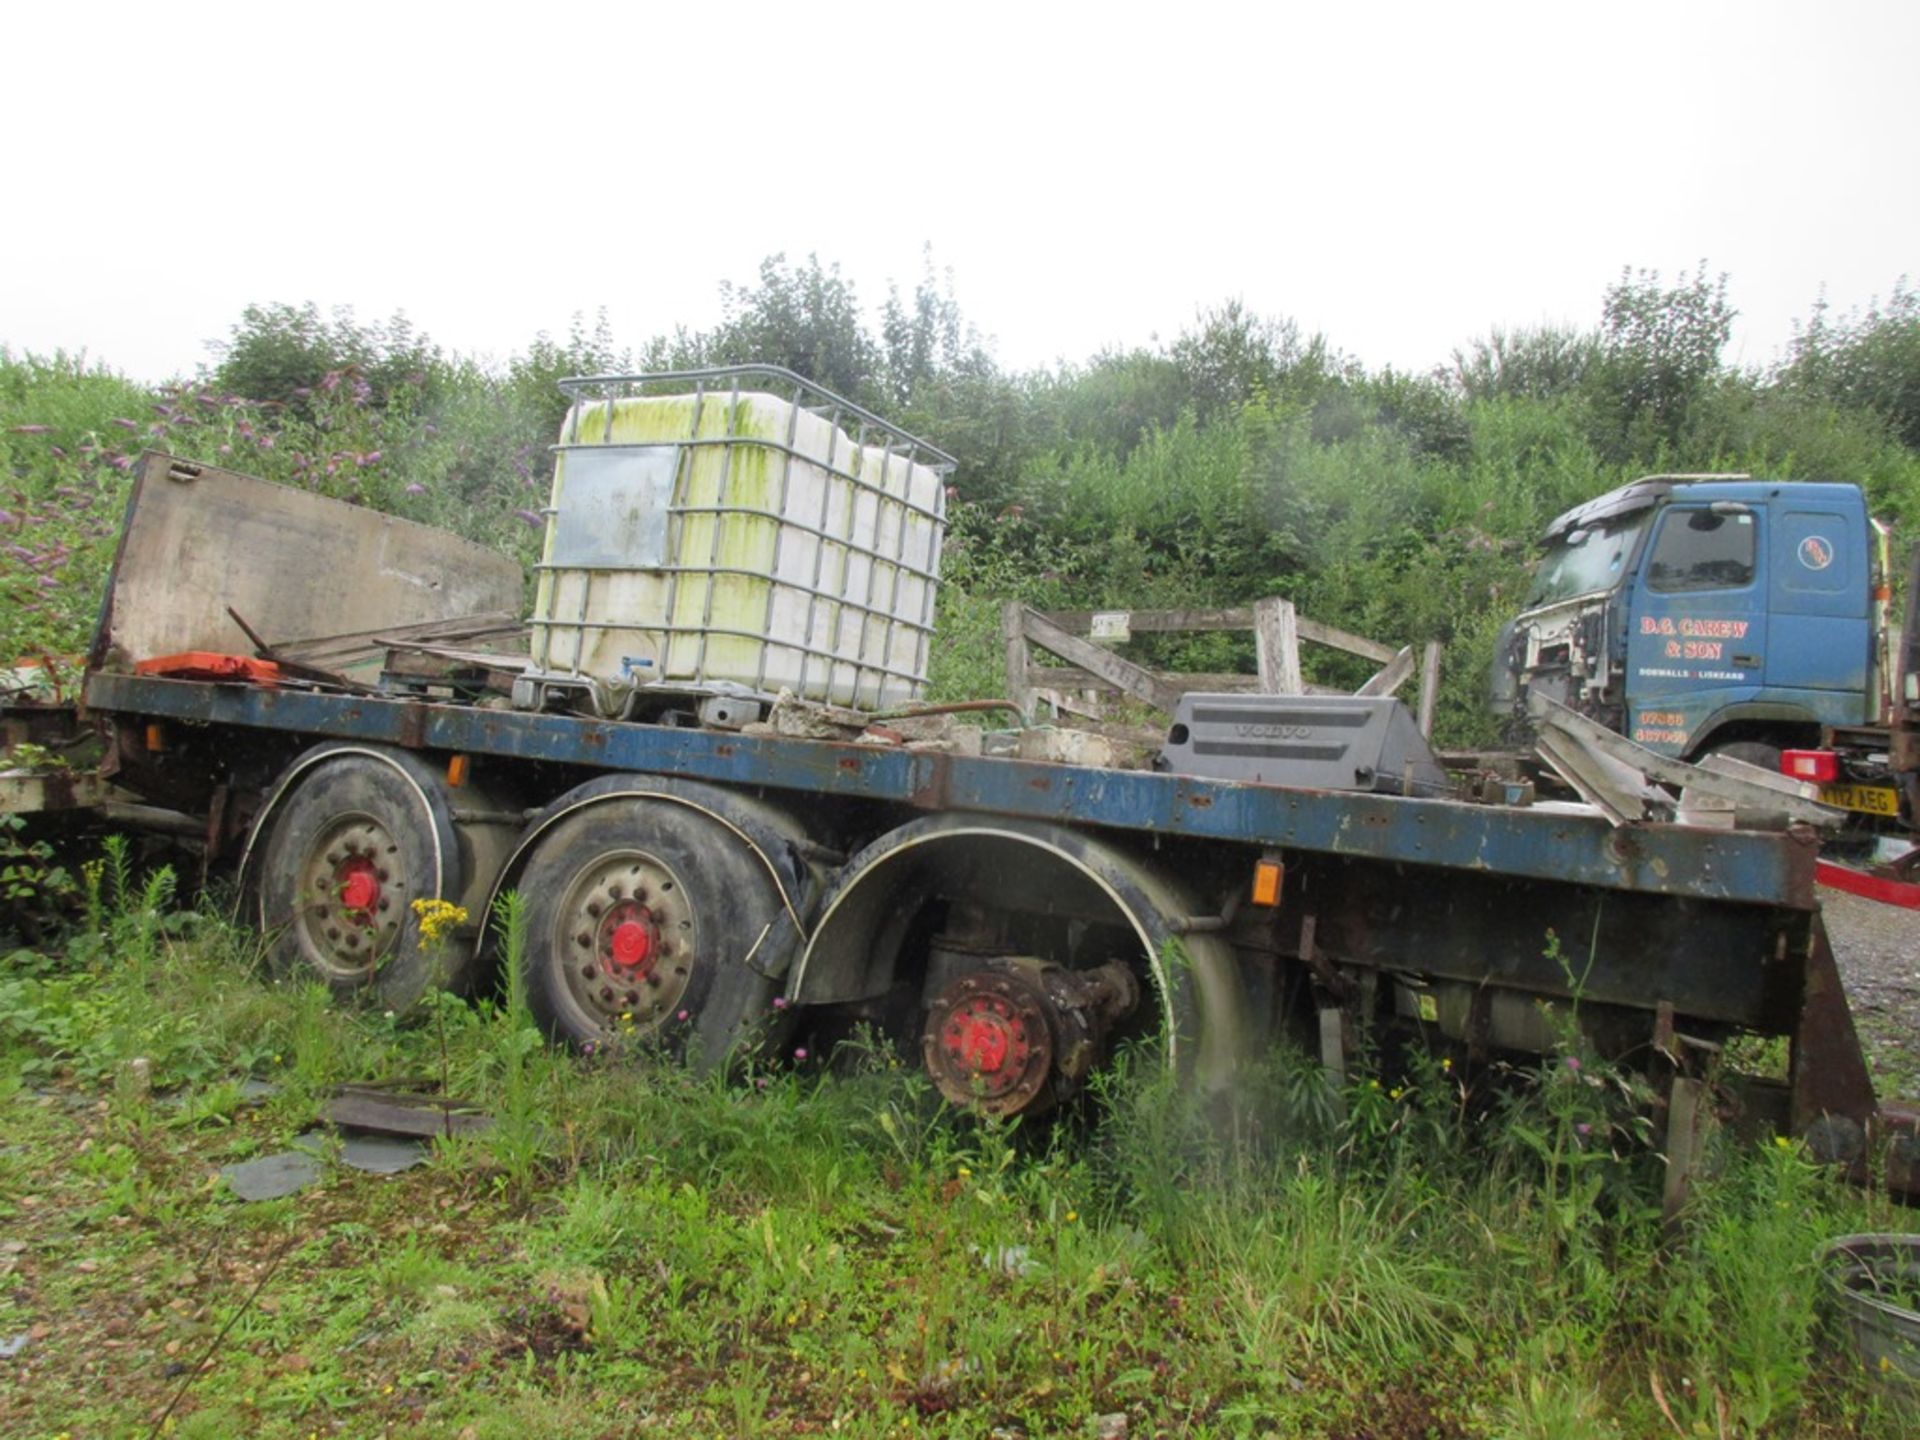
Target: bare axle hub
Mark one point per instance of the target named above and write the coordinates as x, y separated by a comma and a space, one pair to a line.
1019, 1034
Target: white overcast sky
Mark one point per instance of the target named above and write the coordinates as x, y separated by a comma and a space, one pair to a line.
1399, 177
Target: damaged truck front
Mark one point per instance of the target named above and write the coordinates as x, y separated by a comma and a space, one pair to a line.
1700, 615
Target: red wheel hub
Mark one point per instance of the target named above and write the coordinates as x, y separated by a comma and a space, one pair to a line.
358, 885
988, 1043
631, 943
629, 935
980, 1039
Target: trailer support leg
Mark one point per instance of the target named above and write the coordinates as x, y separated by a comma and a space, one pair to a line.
1333, 1054
1831, 1092
1688, 1118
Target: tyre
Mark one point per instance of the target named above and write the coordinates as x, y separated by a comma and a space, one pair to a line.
361, 837
641, 919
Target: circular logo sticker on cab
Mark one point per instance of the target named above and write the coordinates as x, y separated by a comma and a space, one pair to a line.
1816, 552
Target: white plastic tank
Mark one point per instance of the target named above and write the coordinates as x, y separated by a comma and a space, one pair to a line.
724, 539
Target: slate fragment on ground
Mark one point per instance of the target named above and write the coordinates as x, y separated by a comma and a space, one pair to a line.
382, 1154
270, 1177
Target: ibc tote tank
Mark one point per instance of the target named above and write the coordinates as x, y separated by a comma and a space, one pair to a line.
738, 530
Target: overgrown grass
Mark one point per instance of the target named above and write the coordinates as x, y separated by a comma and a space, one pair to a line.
799, 1249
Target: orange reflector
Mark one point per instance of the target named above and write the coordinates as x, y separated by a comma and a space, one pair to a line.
1267, 875
156, 737
457, 771
1883, 592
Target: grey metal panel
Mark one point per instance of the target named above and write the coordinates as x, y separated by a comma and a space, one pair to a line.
295, 565
1317, 742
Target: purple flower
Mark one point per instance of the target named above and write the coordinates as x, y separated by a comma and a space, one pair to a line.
1583, 1128
416, 489
120, 462
208, 400
32, 429
683, 1015
7, 517
56, 452
779, 1002
530, 517
800, 1052
127, 424
372, 457
1573, 1063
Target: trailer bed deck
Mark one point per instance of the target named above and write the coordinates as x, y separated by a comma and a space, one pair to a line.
1766, 868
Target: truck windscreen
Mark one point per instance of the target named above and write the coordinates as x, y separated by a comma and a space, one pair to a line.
1584, 561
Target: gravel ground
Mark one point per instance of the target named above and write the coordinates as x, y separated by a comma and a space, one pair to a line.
1878, 947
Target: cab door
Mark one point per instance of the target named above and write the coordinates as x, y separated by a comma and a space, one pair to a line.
1697, 630
1820, 618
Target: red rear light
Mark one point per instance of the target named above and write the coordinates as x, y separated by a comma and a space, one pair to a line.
1820, 766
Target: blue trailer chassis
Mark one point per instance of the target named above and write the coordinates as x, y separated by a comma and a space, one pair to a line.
1747, 867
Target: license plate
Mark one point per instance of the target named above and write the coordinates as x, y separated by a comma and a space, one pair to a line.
1868, 799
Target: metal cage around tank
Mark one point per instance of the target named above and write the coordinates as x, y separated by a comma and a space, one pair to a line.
878, 520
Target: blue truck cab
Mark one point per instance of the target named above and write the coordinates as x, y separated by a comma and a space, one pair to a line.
1694, 614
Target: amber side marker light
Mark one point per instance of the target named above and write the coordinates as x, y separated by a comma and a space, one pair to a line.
1267, 875
457, 771
156, 737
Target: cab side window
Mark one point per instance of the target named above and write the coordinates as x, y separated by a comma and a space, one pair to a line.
1700, 550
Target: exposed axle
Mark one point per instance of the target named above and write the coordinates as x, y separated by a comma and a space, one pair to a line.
1018, 1034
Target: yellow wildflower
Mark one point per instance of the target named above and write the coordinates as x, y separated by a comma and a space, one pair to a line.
437, 918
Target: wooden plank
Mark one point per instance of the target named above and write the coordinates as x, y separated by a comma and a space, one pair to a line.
1197, 682
1341, 640
1241, 617
1013, 636
1276, 646
1123, 675
1079, 622
1429, 686
1386, 681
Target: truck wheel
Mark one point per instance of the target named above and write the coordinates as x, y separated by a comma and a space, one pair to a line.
641, 917
361, 838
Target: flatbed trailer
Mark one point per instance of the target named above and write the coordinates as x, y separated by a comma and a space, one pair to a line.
1013, 921
1449, 917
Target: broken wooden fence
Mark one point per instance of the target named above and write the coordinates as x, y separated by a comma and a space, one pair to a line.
1074, 636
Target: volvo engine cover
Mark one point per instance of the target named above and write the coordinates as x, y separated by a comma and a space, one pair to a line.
1311, 742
